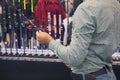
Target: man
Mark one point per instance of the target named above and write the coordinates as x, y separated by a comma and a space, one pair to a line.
95, 36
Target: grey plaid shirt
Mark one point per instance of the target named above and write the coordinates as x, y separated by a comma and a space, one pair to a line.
95, 36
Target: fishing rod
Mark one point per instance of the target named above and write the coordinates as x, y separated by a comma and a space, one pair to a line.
4, 25
15, 31
60, 23
39, 22
25, 36
21, 32
49, 17
10, 28
25, 28
54, 21
31, 29
65, 37
32, 40
43, 22
46, 25
0, 28
41, 25
15, 28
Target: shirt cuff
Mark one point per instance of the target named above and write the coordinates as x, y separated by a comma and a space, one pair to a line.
53, 43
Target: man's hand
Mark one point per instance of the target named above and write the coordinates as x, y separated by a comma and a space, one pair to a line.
43, 37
